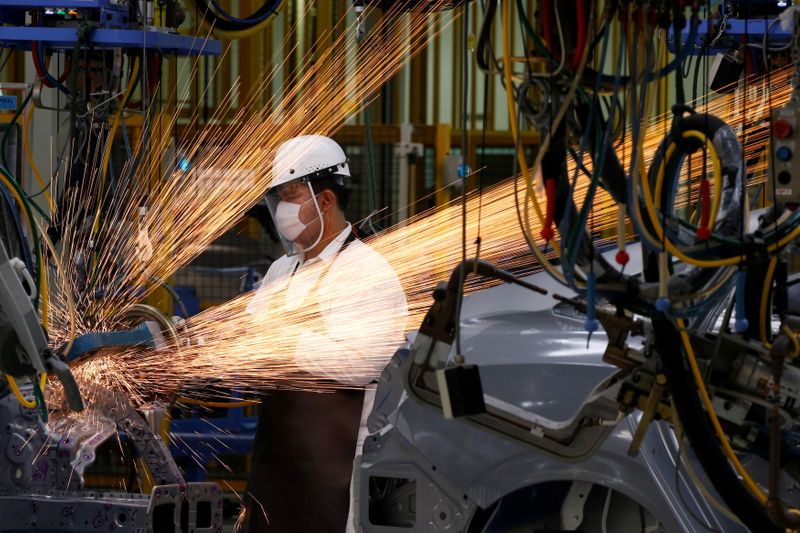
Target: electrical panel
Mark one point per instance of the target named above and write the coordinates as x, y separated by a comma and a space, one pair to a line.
785, 156
745, 9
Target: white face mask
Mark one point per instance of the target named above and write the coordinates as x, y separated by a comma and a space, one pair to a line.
287, 219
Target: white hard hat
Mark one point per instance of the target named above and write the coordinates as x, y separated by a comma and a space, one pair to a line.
308, 156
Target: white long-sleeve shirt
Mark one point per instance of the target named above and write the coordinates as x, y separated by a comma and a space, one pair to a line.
361, 304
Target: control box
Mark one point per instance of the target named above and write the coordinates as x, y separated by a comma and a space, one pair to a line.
784, 162
60, 13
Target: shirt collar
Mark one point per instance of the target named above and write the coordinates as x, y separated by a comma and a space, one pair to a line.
332, 249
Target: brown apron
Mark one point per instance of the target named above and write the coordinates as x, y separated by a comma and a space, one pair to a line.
303, 460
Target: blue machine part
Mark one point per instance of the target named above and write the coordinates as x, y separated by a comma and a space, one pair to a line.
65, 38
752, 29
139, 336
8, 102
188, 295
116, 25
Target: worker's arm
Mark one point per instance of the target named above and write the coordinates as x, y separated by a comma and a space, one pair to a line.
355, 357
364, 314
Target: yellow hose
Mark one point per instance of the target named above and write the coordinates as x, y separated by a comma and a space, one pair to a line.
705, 263
512, 113
715, 198
638, 165
44, 297
653, 215
29, 155
111, 133
203, 403
726, 445
28, 404
71, 308
163, 428
792, 337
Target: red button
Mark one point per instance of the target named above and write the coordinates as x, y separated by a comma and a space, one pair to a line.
782, 129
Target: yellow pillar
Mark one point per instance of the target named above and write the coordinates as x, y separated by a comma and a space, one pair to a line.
441, 149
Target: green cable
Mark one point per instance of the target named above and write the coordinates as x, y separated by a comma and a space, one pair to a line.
540, 46
588, 201
34, 232
3, 150
41, 406
11, 125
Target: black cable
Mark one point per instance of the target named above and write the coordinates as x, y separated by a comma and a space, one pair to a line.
223, 23
464, 124
9, 126
463, 167
701, 434
483, 46
250, 19
8, 56
483, 156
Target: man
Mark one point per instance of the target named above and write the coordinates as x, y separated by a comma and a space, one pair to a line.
354, 313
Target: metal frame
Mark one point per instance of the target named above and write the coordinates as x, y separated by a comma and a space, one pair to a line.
168, 43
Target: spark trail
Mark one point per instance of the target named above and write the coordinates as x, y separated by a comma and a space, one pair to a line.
255, 348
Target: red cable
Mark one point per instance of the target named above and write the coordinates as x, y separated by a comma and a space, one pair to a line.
42, 73
37, 64
155, 69
547, 23
749, 68
550, 192
704, 232
582, 29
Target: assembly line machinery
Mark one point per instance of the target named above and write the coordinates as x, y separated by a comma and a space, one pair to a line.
679, 412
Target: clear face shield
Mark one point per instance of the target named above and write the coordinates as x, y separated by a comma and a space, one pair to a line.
294, 208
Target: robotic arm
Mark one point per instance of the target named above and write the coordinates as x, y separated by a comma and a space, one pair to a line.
25, 351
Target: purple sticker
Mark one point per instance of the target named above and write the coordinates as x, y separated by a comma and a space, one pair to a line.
40, 471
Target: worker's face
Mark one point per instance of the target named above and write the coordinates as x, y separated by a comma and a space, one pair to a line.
300, 193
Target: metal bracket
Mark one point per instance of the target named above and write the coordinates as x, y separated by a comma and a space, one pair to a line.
572, 508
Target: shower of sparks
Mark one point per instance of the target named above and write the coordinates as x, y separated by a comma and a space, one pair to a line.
152, 224
255, 349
